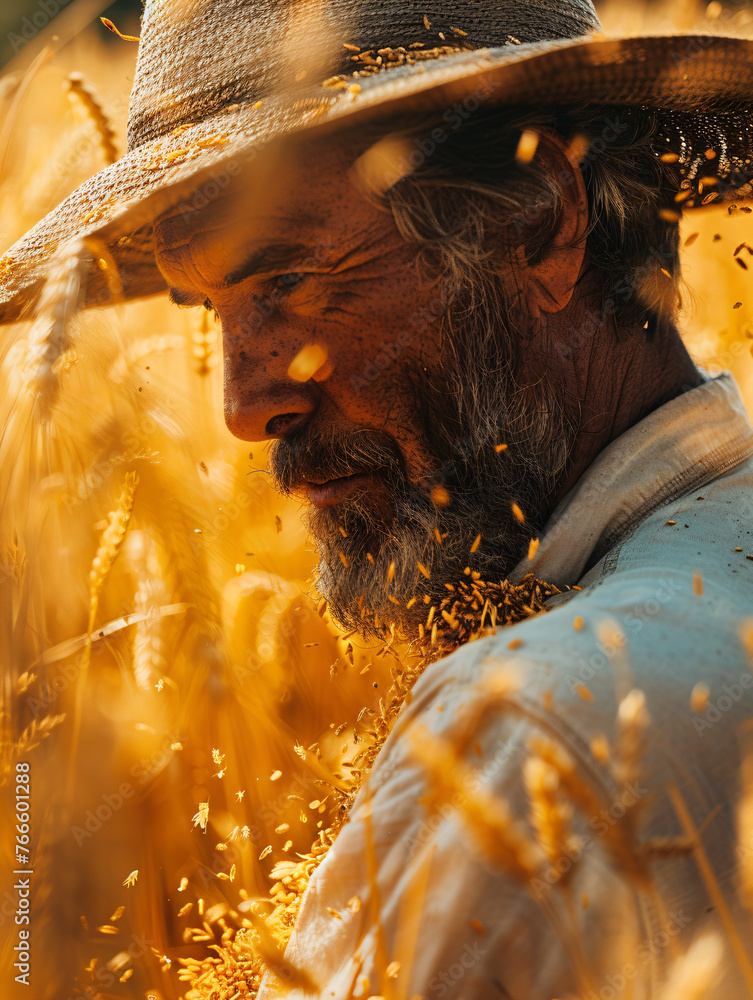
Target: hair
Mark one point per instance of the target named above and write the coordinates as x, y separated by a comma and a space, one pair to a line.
464, 190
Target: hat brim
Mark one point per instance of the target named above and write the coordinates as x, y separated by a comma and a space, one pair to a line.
112, 212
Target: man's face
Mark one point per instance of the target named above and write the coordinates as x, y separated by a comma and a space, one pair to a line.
390, 444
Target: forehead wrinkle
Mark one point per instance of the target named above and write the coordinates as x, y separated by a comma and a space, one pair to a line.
368, 245
367, 261
175, 229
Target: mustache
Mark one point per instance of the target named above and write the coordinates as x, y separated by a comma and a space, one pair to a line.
314, 457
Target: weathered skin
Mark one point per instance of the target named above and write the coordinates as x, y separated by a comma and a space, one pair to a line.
361, 282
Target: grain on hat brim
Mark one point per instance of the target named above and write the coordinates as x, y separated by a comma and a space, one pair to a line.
115, 208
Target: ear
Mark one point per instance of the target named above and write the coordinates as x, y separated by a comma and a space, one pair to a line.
547, 285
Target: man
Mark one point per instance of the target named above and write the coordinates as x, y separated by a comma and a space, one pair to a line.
449, 299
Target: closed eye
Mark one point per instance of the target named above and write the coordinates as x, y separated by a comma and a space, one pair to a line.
281, 284
287, 282
184, 300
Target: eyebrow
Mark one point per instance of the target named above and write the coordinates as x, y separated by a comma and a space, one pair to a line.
274, 257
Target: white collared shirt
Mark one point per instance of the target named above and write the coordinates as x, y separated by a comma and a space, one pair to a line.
651, 533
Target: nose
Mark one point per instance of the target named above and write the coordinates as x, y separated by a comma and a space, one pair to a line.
273, 409
262, 400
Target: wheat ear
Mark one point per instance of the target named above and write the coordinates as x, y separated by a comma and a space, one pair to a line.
49, 339
90, 99
109, 546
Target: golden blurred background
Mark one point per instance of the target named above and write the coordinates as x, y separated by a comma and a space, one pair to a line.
196, 730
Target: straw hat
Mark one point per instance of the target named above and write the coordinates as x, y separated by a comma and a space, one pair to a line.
219, 81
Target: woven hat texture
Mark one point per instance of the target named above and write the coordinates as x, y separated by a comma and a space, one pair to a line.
220, 81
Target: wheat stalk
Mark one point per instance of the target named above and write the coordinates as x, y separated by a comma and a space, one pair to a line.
49, 339
501, 837
633, 721
85, 92
712, 885
151, 593
551, 816
34, 733
109, 546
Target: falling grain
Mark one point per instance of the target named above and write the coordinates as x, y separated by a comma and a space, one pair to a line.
527, 146
307, 362
111, 27
440, 497
699, 697
582, 691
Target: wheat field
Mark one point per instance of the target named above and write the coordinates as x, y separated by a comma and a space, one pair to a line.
169, 674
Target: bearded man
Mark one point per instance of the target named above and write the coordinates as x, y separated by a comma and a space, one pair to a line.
443, 247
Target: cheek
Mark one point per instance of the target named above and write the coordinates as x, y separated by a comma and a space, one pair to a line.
376, 391
383, 364
382, 328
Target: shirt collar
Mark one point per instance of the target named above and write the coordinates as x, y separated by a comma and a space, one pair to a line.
679, 447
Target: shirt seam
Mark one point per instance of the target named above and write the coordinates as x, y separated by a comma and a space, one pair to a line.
679, 486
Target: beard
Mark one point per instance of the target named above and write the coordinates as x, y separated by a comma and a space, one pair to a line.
383, 565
